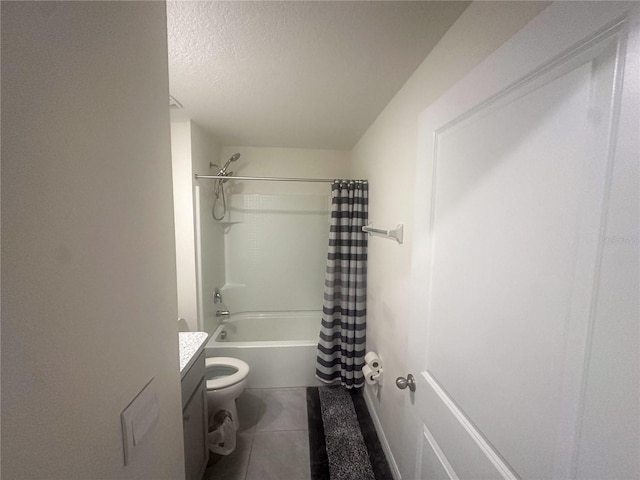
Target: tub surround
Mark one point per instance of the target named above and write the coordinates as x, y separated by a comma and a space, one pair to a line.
279, 347
273, 328
191, 344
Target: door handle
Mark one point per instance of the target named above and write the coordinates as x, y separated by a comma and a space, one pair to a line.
403, 383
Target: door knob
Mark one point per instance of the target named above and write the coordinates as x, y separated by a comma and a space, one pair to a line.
403, 383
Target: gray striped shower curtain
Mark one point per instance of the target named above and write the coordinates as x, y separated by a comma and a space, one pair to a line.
341, 346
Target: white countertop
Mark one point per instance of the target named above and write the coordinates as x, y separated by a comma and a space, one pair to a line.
191, 344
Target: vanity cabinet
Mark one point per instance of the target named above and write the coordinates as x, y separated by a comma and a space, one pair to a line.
194, 420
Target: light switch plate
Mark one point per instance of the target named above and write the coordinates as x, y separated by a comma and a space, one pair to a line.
139, 419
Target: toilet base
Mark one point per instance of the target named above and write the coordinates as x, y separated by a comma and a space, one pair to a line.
228, 405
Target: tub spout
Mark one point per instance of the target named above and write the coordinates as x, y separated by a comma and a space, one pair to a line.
223, 313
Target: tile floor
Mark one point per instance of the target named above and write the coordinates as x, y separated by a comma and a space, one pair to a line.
272, 442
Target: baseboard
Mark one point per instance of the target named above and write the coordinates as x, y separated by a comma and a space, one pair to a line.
381, 436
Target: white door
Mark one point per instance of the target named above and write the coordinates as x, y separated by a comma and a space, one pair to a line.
524, 328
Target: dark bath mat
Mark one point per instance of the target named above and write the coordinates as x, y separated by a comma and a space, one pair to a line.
343, 444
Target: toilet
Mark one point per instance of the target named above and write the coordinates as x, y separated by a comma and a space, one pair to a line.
226, 378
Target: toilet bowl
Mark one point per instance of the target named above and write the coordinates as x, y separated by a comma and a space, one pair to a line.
225, 378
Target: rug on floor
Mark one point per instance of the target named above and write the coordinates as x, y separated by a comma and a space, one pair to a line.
343, 443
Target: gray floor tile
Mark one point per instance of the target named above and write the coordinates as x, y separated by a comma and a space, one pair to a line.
279, 456
249, 405
283, 409
232, 466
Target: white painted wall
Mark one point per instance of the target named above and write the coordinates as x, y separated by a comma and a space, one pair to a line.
386, 155
286, 162
276, 241
191, 151
88, 256
182, 173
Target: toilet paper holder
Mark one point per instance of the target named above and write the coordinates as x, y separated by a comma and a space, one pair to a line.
372, 377
372, 369
373, 361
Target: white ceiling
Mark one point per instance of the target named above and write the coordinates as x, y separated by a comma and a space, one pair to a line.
305, 74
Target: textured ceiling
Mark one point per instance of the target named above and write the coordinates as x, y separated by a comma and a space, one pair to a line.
306, 74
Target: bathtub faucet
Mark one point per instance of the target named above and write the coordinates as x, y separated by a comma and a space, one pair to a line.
223, 313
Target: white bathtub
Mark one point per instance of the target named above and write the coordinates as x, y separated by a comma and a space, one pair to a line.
280, 347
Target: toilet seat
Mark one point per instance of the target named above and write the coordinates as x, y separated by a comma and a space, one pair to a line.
240, 367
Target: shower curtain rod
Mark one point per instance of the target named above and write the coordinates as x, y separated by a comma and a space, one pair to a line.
273, 179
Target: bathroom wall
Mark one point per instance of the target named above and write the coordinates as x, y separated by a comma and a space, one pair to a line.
191, 151
88, 255
182, 173
277, 232
286, 162
386, 155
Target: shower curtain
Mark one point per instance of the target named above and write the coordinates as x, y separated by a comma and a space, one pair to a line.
341, 346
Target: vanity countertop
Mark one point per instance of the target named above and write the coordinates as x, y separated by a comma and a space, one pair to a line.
191, 344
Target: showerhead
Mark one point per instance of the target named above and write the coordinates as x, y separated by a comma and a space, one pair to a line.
223, 170
233, 158
219, 185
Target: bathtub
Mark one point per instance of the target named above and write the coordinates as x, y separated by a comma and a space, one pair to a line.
280, 347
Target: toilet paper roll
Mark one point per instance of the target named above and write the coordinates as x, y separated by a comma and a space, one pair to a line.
373, 360
368, 375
